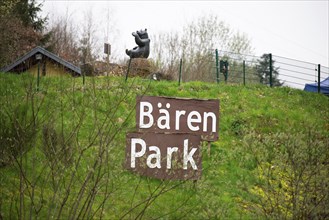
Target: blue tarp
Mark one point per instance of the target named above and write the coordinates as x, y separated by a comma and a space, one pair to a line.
313, 87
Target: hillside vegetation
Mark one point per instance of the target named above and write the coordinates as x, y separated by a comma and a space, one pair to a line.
63, 147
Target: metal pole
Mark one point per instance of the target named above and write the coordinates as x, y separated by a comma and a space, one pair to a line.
271, 70
180, 71
108, 64
244, 72
226, 71
319, 73
83, 77
128, 70
38, 79
217, 68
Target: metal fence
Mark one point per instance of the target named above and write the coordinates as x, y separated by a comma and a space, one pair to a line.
296, 73
272, 70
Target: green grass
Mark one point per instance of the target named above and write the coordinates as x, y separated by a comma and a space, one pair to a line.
86, 127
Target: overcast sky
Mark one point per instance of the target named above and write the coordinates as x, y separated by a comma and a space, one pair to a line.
293, 29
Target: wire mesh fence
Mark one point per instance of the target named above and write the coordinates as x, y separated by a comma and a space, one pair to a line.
272, 70
296, 73
241, 68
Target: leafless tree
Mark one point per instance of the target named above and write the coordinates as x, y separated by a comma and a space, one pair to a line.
196, 45
110, 31
89, 44
64, 37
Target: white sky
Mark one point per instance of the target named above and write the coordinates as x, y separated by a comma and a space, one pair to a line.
293, 29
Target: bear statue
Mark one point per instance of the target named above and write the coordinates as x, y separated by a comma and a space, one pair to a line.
143, 48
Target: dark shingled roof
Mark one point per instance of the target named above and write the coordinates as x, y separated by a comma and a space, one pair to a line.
46, 53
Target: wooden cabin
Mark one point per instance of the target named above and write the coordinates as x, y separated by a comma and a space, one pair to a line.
48, 63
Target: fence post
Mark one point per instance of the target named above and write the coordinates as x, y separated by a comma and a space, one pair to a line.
180, 71
128, 70
271, 70
83, 78
319, 79
217, 68
244, 72
226, 71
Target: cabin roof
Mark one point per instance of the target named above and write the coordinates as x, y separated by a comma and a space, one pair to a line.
46, 53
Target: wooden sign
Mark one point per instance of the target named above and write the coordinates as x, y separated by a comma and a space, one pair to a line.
170, 131
173, 115
164, 156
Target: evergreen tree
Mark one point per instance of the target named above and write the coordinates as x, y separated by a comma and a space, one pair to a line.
263, 71
21, 29
28, 12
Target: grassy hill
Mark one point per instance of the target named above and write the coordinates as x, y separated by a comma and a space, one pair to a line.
63, 148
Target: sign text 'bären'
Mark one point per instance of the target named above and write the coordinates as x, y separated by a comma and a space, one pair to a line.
171, 115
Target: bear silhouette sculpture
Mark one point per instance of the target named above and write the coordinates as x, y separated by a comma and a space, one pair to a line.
143, 48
